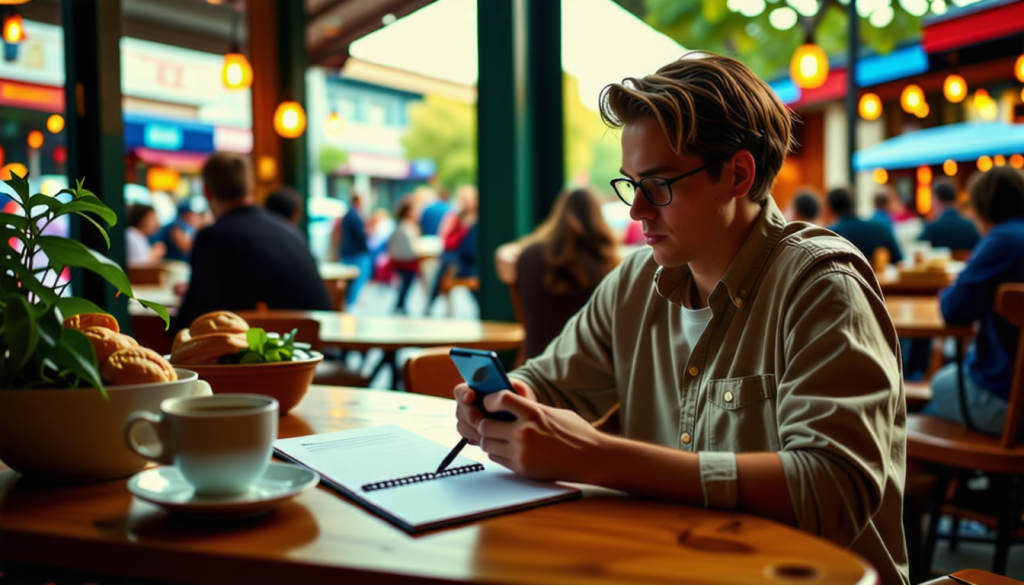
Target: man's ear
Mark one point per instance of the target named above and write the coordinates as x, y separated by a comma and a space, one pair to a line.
744, 172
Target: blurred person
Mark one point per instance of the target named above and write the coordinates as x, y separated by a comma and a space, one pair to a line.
950, 229
997, 197
354, 248
248, 255
805, 207
866, 234
402, 250
285, 202
459, 254
882, 206
180, 234
142, 224
751, 361
561, 265
434, 212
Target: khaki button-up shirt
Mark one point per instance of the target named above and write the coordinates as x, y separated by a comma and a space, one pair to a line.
800, 358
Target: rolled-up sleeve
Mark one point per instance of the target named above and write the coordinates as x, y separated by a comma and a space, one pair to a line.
577, 369
840, 405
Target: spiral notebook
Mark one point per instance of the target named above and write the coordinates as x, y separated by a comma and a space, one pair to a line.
389, 470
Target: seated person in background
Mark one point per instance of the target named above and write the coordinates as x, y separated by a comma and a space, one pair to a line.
752, 360
950, 229
142, 223
997, 197
865, 234
806, 207
882, 205
435, 211
248, 255
453, 230
565, 259
180, 234
402, 249
285, 202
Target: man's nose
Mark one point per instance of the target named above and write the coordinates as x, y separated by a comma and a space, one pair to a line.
641, 208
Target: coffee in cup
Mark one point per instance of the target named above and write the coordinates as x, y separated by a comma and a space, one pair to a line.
221, 443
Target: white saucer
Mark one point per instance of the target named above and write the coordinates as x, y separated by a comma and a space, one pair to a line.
165, 486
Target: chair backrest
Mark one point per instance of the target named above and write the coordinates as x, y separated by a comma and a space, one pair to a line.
431, 372
284, 321
1010, 304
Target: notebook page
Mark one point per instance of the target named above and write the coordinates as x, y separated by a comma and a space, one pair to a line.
350, 459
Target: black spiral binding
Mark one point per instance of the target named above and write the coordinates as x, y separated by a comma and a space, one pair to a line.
400, 481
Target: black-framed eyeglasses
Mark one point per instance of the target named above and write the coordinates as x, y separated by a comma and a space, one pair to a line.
657, 190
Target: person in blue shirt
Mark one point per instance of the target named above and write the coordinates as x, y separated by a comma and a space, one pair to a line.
354, 249
178, 235
998, 200
881, 214
430, 219
950, 229
866, 235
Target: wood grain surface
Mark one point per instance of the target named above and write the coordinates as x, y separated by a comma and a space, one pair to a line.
606, 537
391, 333
921, 317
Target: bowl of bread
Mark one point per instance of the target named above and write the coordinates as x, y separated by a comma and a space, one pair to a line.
231, 356
77, 434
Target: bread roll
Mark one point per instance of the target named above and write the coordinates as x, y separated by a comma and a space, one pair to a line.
207, 349
137, 365
182, 336
92, 320
218, 322
105, 342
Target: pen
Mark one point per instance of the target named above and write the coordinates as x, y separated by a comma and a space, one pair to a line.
451, 455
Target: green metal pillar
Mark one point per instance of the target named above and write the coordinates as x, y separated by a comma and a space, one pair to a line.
291, 43
95, 132
520, 130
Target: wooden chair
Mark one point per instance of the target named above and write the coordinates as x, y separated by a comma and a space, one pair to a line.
973, 577
953, 452
961, 255
328, 372
146, 274
430, 371
449, 281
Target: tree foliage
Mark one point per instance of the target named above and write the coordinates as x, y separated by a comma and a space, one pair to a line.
711, 25
444, 131
592, 150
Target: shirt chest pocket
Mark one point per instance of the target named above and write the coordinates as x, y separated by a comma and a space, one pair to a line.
741, 415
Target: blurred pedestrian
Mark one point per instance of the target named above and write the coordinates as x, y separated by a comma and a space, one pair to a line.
402, 250
806, 207
355, 249
434, 212
950, 229
142, 224
285, 202
866, 235
178, 236
459, 256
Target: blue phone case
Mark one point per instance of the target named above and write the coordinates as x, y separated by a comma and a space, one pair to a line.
483, 372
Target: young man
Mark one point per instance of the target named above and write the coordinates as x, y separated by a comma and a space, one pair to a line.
867, 234
754, 362
950, 229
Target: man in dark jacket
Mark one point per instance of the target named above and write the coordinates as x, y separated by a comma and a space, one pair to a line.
950, 229
248, 255
867, 235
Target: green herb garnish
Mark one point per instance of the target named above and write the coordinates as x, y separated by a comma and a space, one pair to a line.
265, 348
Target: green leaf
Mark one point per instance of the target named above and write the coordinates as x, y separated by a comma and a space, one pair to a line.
20, 333
257, 339
102, 231
76, 254
50, 323
159, 310
40, 200
251, 358
28, 280
76, 354
21, 188
89, 203
70, 306
17, 222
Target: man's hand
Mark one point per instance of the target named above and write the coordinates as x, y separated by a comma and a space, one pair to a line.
543, 443
469, 416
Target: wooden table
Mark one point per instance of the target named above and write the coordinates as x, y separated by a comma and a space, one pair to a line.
320, 537
336, 277
918, 284
919, 317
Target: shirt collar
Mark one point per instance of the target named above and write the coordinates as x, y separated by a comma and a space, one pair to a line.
674, 283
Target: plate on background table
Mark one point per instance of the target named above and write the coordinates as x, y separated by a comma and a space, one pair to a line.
165, 486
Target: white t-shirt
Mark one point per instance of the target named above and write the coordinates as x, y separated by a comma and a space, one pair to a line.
137, 249
695, 321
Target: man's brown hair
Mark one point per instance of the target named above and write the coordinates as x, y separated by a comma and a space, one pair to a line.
227, 176
998, 194
710, 106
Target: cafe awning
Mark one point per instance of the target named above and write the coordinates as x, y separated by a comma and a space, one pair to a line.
933, 146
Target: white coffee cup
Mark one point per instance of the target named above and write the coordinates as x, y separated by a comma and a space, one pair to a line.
221, 443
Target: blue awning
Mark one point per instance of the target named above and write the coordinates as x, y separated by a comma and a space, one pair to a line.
933, 146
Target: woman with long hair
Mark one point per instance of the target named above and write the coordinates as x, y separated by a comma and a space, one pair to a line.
562, 262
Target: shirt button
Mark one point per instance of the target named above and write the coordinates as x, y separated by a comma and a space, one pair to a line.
686, 438
728, 397
693, 370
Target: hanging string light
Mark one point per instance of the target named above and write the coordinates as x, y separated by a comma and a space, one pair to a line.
236, 72
911, 98
809, 66
289, 119
334, 124
949, 167
14, 28
954, 88
870, 106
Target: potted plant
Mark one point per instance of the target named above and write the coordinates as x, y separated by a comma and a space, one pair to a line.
57, 418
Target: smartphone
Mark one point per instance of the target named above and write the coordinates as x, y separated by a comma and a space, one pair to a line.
483, 372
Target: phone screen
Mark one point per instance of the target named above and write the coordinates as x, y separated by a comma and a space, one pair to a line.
483, 372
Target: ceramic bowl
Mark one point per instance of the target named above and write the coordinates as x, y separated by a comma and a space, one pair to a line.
285, 381
77, 435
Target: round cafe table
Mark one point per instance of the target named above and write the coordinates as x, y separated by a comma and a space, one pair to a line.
320, 537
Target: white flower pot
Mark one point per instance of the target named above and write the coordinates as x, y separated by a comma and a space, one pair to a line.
76, 435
